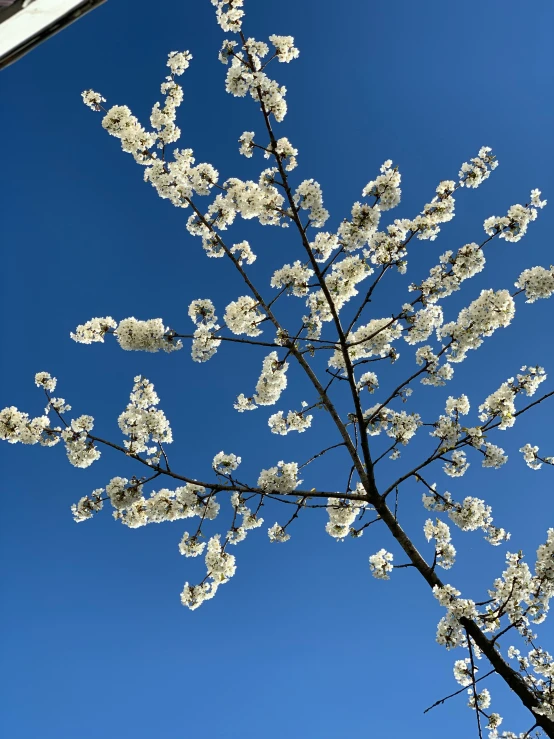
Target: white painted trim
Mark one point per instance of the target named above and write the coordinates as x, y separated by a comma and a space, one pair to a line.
31, 20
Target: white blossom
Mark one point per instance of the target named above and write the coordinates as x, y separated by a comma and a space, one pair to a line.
293, 421
474, 173
491, 310
203, 312
92, 100
380, 564
284, 48
272, 381
87, 506
243, 315
385, 187
444, 550
308, 196
281, 479
189, 545
142, 422
277, 534
148, 336
246, 142
537, 283
225, 463
342, 514
45, 380
295, 278
94, 330
244, 252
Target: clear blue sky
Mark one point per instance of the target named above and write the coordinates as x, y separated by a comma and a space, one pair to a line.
303, 641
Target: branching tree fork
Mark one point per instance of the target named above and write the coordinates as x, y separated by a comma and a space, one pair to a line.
332, 347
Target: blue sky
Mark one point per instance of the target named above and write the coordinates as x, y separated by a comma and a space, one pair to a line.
303, 640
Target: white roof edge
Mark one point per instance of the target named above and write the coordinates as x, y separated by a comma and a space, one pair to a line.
29, 22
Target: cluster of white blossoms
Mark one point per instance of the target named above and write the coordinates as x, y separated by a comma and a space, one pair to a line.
542, 663
202, 311
294, 278
531, 457
142, 422
462, 672
16, 426
270, 385
189, 546
470, 515
341, 284
243, 315
293, 421
46, 381
436, 374
147, 336
493, 456
482, 699
513, 226
342, 514
220, 566
380, 564
449, 631
323, 245
385, 187
308, 196
358, 232
457, 465
204, 343
281, 479
389, 247
478, 169
444, 550
162, 119
245, 74
400, 426
246, 142
537, 283
285, 50
92, 100
423, 323
490, 311
80, 449
178, 180
249, 522
131, 334
88, 506
225, 463
523, 597
447, 428
135, 140
163, 505
121, 494
447, 277
439, 210
501, 403
368, 381
252, 200
277, 534
94, 330
229, 14
244, 253
373, 339
284, 150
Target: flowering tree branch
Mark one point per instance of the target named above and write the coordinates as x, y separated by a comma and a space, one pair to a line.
326, 277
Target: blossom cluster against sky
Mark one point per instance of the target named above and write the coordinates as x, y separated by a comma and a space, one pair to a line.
303, 640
